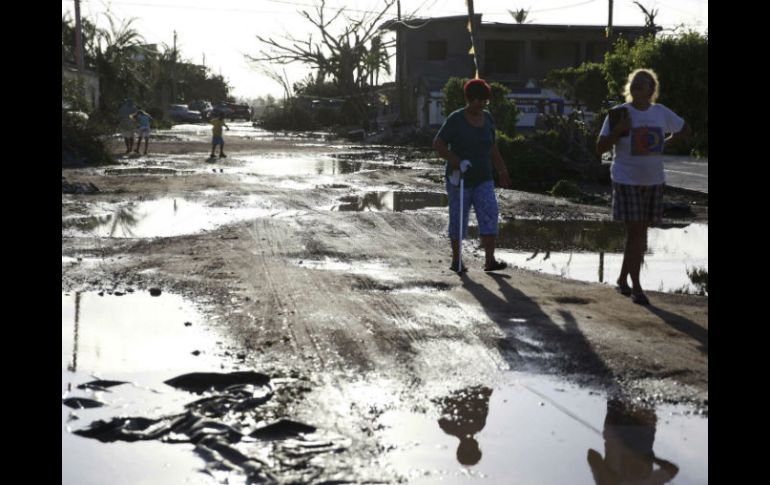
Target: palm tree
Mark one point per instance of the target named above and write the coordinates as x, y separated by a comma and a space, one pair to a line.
120, 74
376, 59
68, 40
520, 15
649, 19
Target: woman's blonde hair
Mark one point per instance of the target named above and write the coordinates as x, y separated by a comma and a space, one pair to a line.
651, 76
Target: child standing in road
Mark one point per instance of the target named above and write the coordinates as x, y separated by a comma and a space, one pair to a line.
218, 121
126, 123
144, 120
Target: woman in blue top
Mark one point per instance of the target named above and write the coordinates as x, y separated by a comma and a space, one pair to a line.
466, 141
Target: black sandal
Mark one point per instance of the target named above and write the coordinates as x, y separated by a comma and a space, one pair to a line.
463, 269
623, 290
497, 266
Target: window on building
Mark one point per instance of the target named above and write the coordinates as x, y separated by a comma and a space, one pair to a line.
502, 56
559, 52
541, 50
436, 50
595, 51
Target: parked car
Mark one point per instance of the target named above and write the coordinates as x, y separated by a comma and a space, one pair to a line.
204, 107
233, 111
181, 113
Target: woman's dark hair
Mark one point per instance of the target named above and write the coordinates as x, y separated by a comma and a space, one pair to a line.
477, 89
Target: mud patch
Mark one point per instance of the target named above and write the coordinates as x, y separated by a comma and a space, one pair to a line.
333, 186
366, 156
573, 300
367, 284
375, 269
199, 382
81, 403
146, 171
78, 187
392, 201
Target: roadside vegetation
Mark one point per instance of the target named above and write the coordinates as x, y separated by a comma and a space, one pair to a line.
152, 76
561, 149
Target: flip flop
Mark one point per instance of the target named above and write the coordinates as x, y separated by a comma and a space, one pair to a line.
623, 290
464, 268
499, 265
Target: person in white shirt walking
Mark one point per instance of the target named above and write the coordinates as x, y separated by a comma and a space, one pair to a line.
636, 130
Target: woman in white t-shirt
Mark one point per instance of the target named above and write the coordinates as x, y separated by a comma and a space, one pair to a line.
638, 137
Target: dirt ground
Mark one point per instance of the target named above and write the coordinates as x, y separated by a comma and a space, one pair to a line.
419, 325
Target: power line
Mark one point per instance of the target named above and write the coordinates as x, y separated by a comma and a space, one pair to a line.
460, 12
423, 4
232, 9
295, 4
690, 12
189, 7
562, 7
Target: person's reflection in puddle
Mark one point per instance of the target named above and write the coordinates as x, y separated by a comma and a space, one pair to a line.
629, 433
463, 414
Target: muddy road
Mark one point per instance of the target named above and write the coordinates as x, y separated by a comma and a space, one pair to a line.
321, 268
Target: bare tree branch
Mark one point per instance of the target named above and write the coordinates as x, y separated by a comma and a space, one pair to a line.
343, 55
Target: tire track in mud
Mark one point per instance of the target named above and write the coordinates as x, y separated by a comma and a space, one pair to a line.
349, 335
412, 236
281, 290
423, 236
386, 304
281, 303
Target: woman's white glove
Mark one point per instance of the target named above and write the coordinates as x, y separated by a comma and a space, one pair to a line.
454, 179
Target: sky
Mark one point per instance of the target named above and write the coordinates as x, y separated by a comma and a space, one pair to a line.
219, 33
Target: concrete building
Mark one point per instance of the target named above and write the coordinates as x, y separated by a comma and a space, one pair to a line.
517, 55
90, 81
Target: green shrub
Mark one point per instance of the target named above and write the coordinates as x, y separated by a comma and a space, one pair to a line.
503, 110
534, 163
585, 84
681, 63
81, 142
293, 116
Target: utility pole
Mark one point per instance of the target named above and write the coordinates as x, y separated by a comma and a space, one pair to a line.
79, 58
173, 72
609, 25
472, 32
399, 64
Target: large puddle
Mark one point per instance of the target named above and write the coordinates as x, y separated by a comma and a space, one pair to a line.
394, 201
161, 218
293, 165
535, 430
145, 399
339, 163
676, 259
140, 340
238, 129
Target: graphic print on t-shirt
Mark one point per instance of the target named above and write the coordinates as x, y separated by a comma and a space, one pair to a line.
646, 140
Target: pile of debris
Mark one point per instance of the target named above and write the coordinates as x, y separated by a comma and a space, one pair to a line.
78, 187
